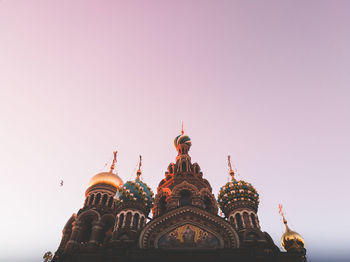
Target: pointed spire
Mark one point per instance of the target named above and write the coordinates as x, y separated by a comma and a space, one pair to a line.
139, 172
114, 161
182, 127
280, 207
232, 173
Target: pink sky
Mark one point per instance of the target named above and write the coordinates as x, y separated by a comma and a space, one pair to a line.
265, 81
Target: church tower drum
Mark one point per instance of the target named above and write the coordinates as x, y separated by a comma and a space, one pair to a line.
239, 201
134, 201
185, 210
92, 226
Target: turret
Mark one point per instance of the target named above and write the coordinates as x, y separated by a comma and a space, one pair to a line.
239, 201
183, 183
134, 201
92, 226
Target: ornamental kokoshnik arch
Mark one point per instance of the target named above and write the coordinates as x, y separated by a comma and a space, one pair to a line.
188, 236
188, 227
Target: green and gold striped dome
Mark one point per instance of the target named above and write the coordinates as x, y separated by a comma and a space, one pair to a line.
182, 139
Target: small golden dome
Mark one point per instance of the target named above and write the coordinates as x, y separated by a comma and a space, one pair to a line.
291, 239
108, 178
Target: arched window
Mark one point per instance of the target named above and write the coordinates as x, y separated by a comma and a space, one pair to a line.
184, 167
207, 204
232, 221
136, 221
196, 170
104, 199
162, 205
171, 170
91, 199
110, 202
121, 220
98, 197
239, 221
246, 219
128, 219
185, 198
252, 216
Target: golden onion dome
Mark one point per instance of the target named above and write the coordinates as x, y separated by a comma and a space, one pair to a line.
291, 239
108, 178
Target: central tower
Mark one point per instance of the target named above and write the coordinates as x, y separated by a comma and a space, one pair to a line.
183, 183
185, 210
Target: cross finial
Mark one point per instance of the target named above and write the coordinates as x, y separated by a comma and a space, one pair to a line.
232, 173
139, 172
182, 128
280, 207
114, 161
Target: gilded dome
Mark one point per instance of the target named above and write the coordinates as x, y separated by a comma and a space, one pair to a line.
108, 178
291, 239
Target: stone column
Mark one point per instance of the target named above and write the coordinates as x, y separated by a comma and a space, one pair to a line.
257, 221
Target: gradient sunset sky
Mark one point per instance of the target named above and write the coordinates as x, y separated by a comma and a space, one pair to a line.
267, 82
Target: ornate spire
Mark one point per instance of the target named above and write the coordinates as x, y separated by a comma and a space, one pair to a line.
182, 128
232, 173
139, 172
114, 161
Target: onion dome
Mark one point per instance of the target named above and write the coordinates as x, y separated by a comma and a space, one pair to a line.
237, 190
108, 178
290, 240
182, 139
136, 191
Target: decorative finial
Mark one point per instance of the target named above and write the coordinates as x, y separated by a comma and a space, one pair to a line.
281, 213
232, 173
114, 161
139, 172
182, 128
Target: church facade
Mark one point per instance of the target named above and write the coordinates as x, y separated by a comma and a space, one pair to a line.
115, 224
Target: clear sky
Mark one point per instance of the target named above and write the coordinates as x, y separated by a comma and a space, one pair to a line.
265, 81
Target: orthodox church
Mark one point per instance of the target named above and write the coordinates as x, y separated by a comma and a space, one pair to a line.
115, 222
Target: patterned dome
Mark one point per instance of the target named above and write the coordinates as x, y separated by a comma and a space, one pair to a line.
182, 139
135, 191
235, 191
